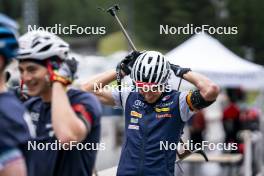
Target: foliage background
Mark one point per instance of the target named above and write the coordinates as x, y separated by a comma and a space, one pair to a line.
142, 19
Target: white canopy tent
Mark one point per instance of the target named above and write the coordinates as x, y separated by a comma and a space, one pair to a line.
205, 54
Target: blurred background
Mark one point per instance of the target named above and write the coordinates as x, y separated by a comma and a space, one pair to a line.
235, 62
143, 20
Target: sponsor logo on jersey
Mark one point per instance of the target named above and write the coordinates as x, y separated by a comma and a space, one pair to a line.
138, 104
166, 109
133, 120
166, 104
49, 127
34, 116
166, 98
135, 114
133, 127
160, 116
31, 126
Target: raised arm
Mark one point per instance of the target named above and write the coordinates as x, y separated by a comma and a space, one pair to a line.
96, 84
67, 124
206, 93
208, 89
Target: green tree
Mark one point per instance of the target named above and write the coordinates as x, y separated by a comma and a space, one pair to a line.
248, 16
150, 15
11, 8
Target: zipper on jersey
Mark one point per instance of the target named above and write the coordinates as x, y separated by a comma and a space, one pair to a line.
142, 155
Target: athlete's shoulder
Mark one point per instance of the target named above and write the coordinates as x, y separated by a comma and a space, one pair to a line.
174, 92
9, 104
13, 127
79, 95
87, 99
170, 94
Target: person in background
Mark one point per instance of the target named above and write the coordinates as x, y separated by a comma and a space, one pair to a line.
230, 119
61, 115
197, 126
15, 125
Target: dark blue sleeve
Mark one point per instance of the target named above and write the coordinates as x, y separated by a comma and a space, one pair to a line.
14, 129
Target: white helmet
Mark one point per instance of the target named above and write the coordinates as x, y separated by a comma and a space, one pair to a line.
151, 67
41, 45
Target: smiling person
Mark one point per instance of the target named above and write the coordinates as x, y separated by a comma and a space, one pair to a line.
60, 114
14, 120
154, 113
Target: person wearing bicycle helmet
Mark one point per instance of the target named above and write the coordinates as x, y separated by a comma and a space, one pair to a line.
15, 126
155, 114
63, 117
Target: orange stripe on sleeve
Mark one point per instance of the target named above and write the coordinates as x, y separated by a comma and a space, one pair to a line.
81, 109
188, 100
